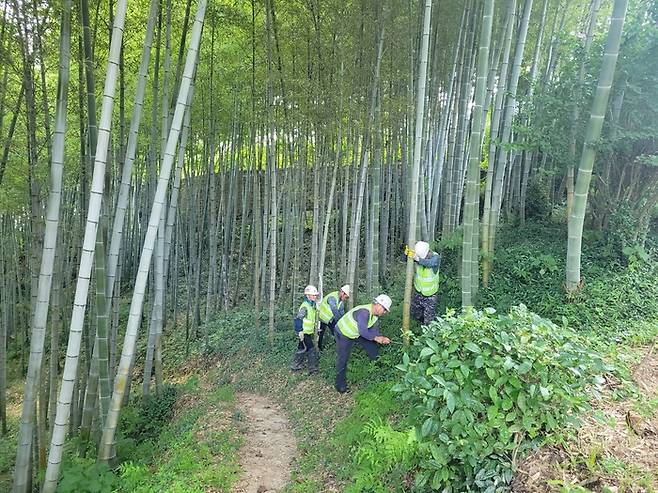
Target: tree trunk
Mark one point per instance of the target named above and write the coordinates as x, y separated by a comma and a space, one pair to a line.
127, 356
592, 134
471, 201
22, 478
415, 172
86, 259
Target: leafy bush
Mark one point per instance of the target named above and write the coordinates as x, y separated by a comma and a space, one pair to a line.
529, 268
538, 202
155, 410
86, 476
481, 384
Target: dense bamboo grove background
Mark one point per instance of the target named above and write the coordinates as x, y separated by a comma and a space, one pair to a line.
161, 163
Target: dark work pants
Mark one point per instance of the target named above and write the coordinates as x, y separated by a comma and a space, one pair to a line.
305, 348
423, 308
343, 352
331, 327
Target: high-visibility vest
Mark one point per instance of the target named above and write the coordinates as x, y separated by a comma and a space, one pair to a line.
326, 315
308, 324
426, 281
348, 325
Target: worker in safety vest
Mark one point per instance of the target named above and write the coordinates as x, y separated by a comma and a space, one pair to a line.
304, 324
426, 283
331, 309
361, 326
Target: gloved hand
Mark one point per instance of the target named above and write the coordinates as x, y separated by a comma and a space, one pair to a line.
409, 252
300, 335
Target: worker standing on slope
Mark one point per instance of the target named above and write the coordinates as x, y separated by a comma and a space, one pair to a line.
305, 321
361, 326
426, 283
332, 308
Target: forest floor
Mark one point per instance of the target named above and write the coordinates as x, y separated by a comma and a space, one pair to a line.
269, 446
614, 450
263, 429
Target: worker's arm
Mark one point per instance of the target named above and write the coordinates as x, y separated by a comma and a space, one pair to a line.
338, 312
434, 262
361, 317
299, 319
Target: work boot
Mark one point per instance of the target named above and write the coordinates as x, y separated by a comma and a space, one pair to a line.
297, 361
312, 363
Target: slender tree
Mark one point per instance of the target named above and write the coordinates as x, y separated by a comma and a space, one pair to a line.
22, 469
86, 259
415, 172
106, 449
471, 199
592, 134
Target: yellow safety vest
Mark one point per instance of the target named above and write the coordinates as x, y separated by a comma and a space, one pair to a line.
426, 281
326, 315
348, 325
308, 324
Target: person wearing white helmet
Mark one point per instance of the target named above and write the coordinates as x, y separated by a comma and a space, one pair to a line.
331, 309
426, 283
359, 326
304, 324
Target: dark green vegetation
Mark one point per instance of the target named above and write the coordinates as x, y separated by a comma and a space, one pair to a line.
184, 439
169, 442
179, 172
472, 394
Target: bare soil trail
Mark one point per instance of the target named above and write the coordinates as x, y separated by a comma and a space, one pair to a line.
269, 447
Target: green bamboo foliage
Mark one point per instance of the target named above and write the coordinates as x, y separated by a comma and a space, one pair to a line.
592, 134
415, 172
106, 449
22, 478
471, 199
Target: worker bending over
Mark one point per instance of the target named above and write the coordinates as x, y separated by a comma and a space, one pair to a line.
332, 308
426, 283
305, 328
361, 326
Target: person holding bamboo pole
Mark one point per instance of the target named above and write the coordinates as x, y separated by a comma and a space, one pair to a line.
426, 282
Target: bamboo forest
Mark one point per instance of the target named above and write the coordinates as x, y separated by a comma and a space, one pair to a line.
300, 246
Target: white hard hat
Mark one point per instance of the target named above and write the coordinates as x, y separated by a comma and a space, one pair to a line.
422, 248
384, 301
311, 290
346, 289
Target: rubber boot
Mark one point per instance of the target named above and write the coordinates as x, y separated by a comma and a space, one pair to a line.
297, 361
312, 362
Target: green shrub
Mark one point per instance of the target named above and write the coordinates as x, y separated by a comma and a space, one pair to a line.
481, 385
538, 203
155, 410
86, 476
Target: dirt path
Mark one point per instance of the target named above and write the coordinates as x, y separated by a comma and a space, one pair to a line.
269, 446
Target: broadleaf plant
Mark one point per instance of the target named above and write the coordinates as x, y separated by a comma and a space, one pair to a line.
482, 386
